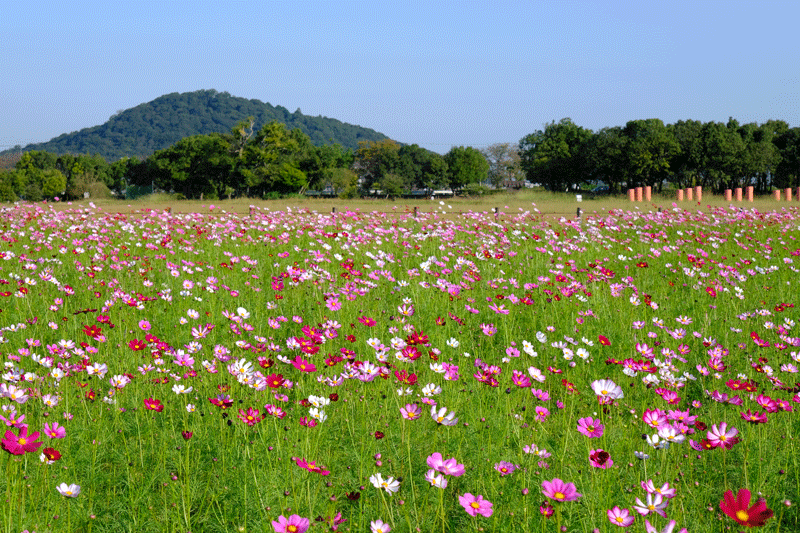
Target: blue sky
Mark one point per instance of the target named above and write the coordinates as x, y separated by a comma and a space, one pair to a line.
439, 74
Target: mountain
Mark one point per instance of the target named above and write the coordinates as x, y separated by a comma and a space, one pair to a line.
141, 130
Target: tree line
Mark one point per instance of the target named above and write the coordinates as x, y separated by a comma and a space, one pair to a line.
714, 155
268, 163
274, 161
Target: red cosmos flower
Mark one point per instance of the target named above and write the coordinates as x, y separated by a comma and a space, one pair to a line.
153, 405
404, 377
417, 338
186, 435
367, 321
265, 362
51, 454
223, 401
604, 340
21, 443
711, 292
275, 381
93, 331
737, 508
311, 466
137, 345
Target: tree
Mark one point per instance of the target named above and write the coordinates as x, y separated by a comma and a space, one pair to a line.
375, 159
465, 165
603, 156
688, 160
504, 163
722, 149
271, 160
649, 150
551, 156
787, 172
195, 166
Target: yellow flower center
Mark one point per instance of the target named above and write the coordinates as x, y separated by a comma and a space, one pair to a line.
22, 442
559, 496
439, 418
293, 529
475, 505
742, 515
68, 493
619, 519
603, 392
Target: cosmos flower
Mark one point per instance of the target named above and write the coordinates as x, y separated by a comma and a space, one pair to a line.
21, 443
591, 427
620, 517
742, 512
443, 417
70, 491
390, 485
476, 505
560, 491
293, 524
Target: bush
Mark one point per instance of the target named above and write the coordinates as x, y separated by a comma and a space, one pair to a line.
475, 189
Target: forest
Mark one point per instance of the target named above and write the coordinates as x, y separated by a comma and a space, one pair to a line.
274, 161
142, 130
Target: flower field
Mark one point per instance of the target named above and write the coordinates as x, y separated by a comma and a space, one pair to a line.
363, 371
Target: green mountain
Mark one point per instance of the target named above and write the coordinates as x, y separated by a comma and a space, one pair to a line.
143, 129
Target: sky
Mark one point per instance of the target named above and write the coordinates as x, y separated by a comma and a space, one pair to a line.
435, 73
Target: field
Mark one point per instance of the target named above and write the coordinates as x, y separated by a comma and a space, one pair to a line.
276, 367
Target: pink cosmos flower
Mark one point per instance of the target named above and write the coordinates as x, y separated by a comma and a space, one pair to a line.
410, 412
721, 437
560, 491
541, 413
620, 517
294, 524
475, 506
665, 489
449, 467
54, 431
590, 427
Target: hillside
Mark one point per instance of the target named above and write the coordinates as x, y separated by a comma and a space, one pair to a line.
141, 130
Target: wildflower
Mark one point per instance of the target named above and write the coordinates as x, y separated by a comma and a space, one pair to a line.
442, 417
665, 490
560, 491
449, 467
70, 491
655, 504
186, 435
390, 485
311, 466
475, 506
49, 456
541, 413
740, 510
303, 365
590, 427
294, 524
600, 459
435, 479
505, 468
21, 443
153, 405
410, 412
54, 431
607, 391
720, 436
379, 526
251, 417
620, 517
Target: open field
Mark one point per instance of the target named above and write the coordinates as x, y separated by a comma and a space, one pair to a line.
209, 370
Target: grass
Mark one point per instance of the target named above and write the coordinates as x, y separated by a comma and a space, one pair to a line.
109, 315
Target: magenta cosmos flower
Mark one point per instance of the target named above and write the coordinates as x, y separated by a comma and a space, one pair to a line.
591, 427
19, 444
475, 505
293, 524
560, 491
